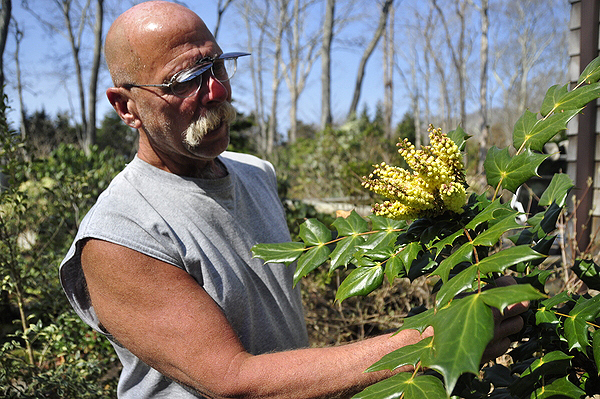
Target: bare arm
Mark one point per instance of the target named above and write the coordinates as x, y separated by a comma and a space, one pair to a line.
161, 314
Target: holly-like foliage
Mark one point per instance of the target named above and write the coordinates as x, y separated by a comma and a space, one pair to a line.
464, 252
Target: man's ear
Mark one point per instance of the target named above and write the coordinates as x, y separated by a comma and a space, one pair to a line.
124, 105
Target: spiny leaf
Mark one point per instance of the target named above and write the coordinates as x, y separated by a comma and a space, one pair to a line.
553, 96
310, 260
591, 73
383, 223
409, 253
344, 250
407, 355
499, 261
578, 98
501, 297
588, 272
495, 164
536, 136
379, 239
360, 281
459, 283
486, 214
557, 190
462, 254
462, 331
419, 321
575, 325
352, 225
491, 236
394, 267
559, 388
285, 253
523, 128
407, 386
459, 137
313, 232
521, 168
596, 347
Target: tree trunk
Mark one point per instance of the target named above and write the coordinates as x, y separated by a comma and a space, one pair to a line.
90, 136
18, 38
276, 78
5, 15
388, 76
485, 26
383, 16
326, 118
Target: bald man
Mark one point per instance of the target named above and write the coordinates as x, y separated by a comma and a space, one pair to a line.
162, 264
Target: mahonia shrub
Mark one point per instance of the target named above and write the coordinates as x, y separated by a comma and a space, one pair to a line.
428, 226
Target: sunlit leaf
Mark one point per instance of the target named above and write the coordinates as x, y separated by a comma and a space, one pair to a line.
496, 164
407, 386
285, 253
559, 388
394, 267
491, 236
462, 254
523, 128
576, 326
555, 362
360, 281
499, 261
588, 272
591, 73
418, 322
379, 239
310, 260
409, 253
536, 136
486, 214
344, 250
406, 355
521, 168
461, 282
462, 331
459, 137
553, 96
313, 232
501, 297
578, 98
353, 224
557, 190
383, 223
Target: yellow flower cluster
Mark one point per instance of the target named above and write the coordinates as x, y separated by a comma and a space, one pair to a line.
435, 185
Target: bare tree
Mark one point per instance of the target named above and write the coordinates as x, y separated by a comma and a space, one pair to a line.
302, 57
483, 78
388, 75
383, 17
221, 8
18, 32
328, 25
74, 19
5, 15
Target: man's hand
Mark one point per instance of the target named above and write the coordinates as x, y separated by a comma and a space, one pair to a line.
506, 324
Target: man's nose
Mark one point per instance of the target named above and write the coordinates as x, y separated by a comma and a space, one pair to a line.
215, 91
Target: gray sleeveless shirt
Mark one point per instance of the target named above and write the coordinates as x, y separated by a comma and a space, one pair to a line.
207, 228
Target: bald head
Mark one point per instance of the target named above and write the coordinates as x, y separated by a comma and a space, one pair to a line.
139, 36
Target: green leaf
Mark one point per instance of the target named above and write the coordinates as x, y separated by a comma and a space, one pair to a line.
360, 281
394, 267
591, 73
485, 215
553, 363
462, 254
383, 223
462, 331
588, 272
409, 253
310, 260
491, 236
495, 164
352, 225
560, 388
523, 128
499, 261
419, 321
407, 355
407, 386
501, 297
521, 168
557, 190
596, 347
313, 232
285, 253
576, 326
459, 137
344, 250
553, 96
536, 136
578, 98
379, 239
461, 282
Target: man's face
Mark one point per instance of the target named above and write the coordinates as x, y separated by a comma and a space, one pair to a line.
167, 119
